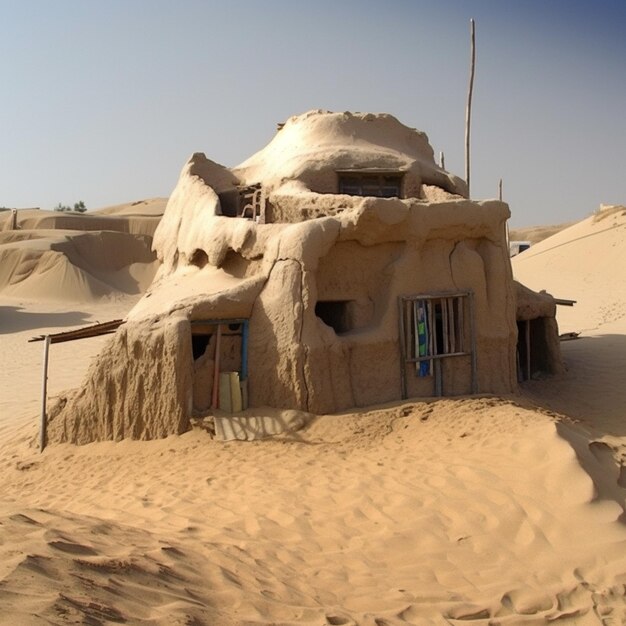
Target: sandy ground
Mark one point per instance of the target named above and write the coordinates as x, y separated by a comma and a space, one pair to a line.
481, 510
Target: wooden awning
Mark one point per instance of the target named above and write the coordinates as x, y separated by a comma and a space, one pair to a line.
94, 330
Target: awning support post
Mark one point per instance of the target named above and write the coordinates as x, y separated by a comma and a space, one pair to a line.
44, 395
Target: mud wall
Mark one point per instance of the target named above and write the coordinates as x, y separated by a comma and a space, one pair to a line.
138, 388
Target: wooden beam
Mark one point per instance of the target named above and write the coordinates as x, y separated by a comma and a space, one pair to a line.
81, 333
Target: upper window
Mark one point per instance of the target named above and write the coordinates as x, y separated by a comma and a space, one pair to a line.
381, 185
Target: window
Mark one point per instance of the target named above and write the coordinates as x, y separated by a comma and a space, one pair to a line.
381, 185
435, 327
336, 314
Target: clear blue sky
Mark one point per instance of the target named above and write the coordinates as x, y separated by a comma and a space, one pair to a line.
104, 101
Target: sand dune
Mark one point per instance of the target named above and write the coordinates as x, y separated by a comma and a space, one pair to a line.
137, 218
153, 207
417, 513
479, 510
535, 234
584, 263
79, 257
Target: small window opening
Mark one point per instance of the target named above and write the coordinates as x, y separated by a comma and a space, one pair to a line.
229, 202
336, 314
199, 345
370, 184
199, 258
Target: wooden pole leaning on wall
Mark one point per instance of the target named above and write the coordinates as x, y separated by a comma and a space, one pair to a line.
403, 351
44, 395
468, 109
216, 369
527, 339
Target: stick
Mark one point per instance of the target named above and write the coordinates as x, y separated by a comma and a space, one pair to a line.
442, 160
216, 369
403, 354
44, 393
415, 336
527, 349
500, 190
474, 357
468, 110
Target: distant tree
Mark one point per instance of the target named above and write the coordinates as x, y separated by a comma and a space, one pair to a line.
79, 207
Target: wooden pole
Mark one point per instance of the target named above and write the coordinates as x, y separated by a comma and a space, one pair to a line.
468, 110
216, 369
401, 330
500, 190
245, 330
474, 357
44, 395
442, 160
438, 380
528, 370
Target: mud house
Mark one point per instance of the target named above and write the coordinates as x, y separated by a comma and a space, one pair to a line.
340, 266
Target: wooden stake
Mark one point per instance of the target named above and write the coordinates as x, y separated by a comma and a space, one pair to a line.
44, 394
403, 354
216, 370
468, 110
500, 190
528, 371
474, 357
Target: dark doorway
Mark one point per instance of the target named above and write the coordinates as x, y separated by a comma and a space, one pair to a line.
533, 355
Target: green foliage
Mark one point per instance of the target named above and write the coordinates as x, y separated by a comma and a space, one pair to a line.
79, 207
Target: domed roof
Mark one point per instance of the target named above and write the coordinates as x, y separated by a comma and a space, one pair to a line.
322, 140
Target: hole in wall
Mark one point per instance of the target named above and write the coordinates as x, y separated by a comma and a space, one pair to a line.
199, 345
336, 314
199, 258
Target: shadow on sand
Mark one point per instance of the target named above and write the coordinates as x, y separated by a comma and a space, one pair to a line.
593, 389
14, 319
593, 394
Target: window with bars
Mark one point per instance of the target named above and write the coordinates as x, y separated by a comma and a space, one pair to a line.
433, 327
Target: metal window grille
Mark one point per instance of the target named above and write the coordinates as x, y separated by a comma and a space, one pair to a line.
434, 327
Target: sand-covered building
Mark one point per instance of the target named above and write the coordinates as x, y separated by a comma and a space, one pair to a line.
340, 266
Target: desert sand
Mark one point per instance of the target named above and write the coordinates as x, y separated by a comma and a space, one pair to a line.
489, 510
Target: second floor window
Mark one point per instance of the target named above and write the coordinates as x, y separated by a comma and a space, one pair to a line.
387, 185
